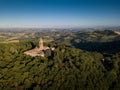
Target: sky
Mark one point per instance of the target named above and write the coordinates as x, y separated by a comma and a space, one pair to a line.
59, 13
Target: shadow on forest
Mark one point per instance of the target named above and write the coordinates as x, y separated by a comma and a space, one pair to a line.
106, 47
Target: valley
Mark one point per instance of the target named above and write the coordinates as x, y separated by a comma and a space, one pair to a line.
81, 60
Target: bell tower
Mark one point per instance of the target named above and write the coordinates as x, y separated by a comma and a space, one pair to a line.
41, 44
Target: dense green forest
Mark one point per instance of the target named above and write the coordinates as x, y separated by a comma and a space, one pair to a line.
80, 61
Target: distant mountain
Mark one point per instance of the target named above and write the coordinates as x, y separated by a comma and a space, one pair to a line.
108, 27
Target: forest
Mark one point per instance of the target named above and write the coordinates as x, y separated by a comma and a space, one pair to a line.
81, 61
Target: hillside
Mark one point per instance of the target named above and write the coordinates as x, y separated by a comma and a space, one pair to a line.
81, 61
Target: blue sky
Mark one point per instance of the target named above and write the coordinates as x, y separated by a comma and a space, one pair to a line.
57, 13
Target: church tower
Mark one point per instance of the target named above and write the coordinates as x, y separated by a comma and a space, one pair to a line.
41, 44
